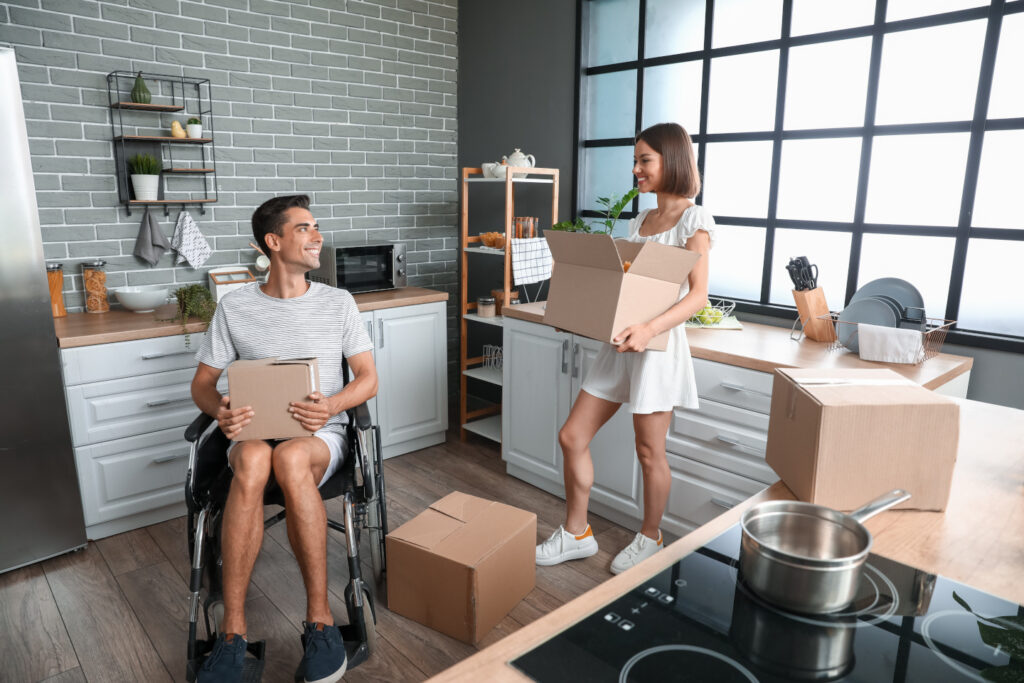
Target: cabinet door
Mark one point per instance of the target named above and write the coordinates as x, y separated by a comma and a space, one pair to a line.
535, 396
616, 470
367, 319
412, 400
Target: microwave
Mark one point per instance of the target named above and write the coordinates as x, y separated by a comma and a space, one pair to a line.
362, 267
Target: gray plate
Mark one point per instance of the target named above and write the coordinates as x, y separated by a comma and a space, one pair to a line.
869, 311
905, 294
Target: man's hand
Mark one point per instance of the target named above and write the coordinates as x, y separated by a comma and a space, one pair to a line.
232, 421
634, 338
313, 415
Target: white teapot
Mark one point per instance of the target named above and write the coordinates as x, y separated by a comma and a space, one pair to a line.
517, 158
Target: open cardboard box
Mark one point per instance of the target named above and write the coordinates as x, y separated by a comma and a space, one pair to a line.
589, 293
269, 385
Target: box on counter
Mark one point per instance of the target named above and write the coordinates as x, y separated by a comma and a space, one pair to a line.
589, 293
461, 565
269, 385
841, 437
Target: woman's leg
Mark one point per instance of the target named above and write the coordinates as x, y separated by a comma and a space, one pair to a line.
588, 415
651, 430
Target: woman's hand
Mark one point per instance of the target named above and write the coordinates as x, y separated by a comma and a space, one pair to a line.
231, 421
312, 415
635, 337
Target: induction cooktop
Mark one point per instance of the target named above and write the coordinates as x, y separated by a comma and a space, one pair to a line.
697, 621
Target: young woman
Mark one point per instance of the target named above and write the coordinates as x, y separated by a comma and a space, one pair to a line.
652, 382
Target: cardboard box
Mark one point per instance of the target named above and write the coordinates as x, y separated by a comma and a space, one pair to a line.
843, 437
589, 293
461, 565
269, 385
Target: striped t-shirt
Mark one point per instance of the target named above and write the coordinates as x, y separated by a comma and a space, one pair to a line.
323, 323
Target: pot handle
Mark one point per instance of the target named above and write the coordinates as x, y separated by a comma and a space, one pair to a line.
880, 504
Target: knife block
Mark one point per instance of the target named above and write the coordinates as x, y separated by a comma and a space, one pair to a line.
810, 303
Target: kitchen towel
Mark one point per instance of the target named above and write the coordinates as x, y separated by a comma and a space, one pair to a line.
151, 243
189, 242
531, 260
890, 344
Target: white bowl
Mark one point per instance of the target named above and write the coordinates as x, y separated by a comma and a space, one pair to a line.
143, 299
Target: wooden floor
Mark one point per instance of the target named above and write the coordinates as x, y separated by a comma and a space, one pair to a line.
118, 610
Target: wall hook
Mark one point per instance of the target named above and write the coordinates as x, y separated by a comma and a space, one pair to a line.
167, 210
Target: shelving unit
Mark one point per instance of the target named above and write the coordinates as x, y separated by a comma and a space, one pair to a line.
486, 421
187, 95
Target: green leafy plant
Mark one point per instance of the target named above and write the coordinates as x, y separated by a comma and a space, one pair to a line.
194, 301
193, 121
1004, 634
144, 164
612, 209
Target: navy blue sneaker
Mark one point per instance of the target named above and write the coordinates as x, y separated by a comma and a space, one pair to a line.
226, 661
325, 660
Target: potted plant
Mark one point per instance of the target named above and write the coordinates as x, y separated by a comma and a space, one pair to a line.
612, 209
145, 176
194, 301
194, 128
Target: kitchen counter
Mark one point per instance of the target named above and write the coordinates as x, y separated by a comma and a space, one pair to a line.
86, 329
976, 541
766, 347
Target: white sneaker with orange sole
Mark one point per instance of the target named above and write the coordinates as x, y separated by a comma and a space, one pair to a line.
636, 552
562, 546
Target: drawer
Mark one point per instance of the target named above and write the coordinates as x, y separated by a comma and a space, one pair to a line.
128, 476
129, 359
102, 411
726, 437
733, 386
700, 493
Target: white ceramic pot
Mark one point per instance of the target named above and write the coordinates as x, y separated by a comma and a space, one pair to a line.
195, 130
147, 187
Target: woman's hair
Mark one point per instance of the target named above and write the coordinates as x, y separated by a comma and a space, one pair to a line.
269, 217
679, 164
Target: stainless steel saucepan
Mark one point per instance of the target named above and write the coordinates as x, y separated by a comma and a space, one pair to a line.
805, 557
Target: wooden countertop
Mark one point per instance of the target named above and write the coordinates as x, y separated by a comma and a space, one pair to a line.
86, 329
766, 347
977, 540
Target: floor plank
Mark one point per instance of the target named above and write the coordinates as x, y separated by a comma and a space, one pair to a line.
70, 676
34, 645
129, 551
108, 638
157, 596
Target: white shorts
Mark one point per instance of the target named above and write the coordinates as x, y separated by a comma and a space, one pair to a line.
335, 445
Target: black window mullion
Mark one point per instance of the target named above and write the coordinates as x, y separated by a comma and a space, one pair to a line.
988, 61
641, 39
577, 149
700, 139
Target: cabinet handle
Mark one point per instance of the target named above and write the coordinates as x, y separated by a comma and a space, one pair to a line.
380, 330
165, 401
168, 458
748, 390
739, 444
576, 360
565, 356
151, 356
723, 503
369, 329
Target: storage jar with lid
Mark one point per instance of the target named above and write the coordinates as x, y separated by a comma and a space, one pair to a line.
55, 280
485, 307
94, 282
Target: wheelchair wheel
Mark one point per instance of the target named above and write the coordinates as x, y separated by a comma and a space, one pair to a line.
377, 528
371, 625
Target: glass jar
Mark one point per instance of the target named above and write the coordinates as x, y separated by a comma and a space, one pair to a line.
94, 282
485, 307
55, 280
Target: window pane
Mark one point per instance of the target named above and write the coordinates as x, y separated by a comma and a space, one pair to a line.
672, 93
674, 26
815, 16
736, 261
905, 9
830, 251
613, 29
827, 83
818, 179
1007, 99
743, 91
917, 179
1000, 179
736, 177
924, 262
742, 21
607, 172
993, 281
611, 105
930, 74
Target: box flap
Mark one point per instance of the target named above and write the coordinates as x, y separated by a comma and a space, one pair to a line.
853, 387
427, 529
581, 249
487, 531
314, 372
461, 506
658, 261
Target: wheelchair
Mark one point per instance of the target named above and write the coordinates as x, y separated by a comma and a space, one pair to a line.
358, 480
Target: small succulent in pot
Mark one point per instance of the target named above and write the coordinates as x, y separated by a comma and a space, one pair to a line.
194, 127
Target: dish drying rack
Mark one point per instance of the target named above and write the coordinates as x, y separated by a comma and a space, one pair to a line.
933, 333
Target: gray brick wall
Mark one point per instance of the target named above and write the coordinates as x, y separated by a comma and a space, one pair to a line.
352, 102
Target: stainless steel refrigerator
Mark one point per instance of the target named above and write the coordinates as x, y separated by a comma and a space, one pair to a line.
40, 504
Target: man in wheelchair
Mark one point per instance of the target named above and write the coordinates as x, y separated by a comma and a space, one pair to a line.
286, 317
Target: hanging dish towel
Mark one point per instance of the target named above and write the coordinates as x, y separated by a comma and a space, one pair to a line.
151, 243
189, 242
531, 260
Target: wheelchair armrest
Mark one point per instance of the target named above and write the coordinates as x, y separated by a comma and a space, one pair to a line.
360, 416
198, 426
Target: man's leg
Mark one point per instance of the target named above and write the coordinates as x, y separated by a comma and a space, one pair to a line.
242, 533
299, 465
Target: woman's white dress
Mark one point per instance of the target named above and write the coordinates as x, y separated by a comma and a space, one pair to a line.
653, 381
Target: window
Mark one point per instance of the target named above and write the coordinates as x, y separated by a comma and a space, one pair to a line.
876, 137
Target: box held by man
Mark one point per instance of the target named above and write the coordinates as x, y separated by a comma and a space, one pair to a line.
269, 385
